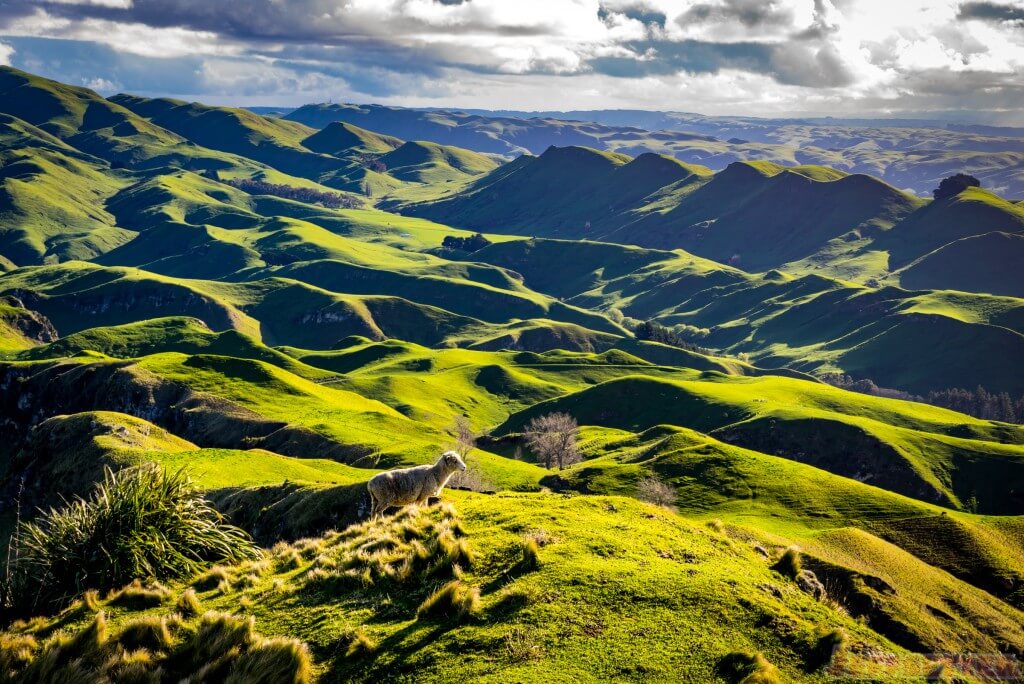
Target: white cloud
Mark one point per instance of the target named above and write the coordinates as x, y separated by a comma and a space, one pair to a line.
692, 54
6, 52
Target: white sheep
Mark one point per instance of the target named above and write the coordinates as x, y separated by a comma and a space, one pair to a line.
404, 486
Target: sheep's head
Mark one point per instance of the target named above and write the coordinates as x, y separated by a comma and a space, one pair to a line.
452, 462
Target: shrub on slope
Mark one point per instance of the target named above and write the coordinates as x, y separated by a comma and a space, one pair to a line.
139, 522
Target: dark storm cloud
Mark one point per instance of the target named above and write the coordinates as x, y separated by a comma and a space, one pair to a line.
749, 13
327, 21
992, 11
792, 63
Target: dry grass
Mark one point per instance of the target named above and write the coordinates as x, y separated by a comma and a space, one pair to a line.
135, 596
356, 643
188, 605
789, 564
273, 661
146, 633
213, 578
454, 601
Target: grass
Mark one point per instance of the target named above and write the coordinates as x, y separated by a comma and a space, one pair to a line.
138, 522
673, 572
279, 353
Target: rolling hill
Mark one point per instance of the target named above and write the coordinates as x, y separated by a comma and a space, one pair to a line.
804, 219
909, 154
181, 286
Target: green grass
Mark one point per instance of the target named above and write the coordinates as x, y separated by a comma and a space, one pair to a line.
568, 612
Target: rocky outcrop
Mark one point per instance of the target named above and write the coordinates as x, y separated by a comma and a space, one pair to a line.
31, 325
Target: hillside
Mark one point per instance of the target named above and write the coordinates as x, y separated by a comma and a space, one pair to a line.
276, 313
803, 219
909, 154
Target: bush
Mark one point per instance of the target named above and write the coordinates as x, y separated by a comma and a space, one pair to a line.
954, 185
273, 661
473, 243
652, 490
331, 200
138, 522
148, 632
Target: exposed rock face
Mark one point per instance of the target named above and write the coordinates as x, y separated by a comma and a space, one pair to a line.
31, 325
810, 584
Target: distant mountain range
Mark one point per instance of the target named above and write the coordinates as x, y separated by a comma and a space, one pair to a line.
913, 155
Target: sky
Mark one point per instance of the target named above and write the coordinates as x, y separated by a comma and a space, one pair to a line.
953, 59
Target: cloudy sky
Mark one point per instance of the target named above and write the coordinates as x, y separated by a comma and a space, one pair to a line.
954, 58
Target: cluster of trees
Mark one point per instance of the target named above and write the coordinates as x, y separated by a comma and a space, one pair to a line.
655, 332
331, 200
472, 243
371, 163
954, 185
978, 402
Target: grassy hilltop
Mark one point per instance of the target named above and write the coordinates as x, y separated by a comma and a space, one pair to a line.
272, 311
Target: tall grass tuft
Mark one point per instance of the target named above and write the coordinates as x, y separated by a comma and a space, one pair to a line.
139, 522
273, 661
453, 601
789, 564
188, 605
748, 668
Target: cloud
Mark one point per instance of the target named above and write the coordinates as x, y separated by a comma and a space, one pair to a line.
848, 55
6, 52
992, 11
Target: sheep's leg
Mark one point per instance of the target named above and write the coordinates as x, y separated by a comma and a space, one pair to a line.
375, 507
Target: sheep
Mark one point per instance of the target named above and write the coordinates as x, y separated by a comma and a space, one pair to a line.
411, 485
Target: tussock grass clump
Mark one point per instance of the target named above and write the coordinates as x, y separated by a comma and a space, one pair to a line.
829, 645
748, 668
139, 522
789, 564
188, 605
135, 596
16, 651
213, 578
146, 633
132, 667
455, 601
530, 560
273, 661
220, 648
408, 547
91, 600
522, 645
356, 644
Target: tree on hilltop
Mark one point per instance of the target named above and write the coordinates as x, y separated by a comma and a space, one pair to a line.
954, 185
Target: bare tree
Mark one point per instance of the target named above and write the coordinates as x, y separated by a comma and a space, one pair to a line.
655, 491
552, 438
465, 436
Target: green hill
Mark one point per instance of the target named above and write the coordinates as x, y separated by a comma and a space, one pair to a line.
979, 263
340, 138
730, 518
